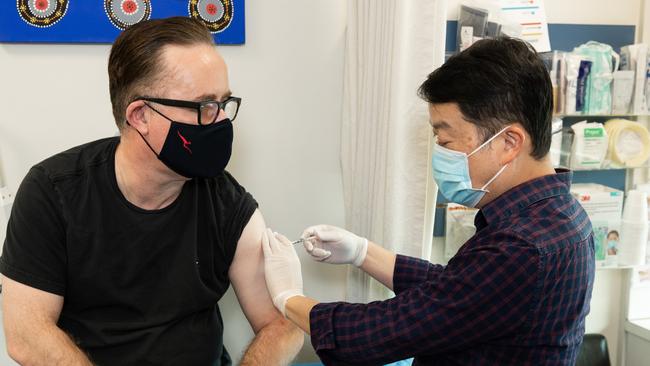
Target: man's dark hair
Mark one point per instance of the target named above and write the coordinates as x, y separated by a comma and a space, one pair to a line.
135, 64
496, 82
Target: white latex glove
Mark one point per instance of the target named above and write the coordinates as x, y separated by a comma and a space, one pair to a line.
335, 245
281, 268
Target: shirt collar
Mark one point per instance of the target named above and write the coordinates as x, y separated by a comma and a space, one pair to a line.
524, 195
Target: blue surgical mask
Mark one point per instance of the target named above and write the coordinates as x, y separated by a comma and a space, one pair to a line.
451, 173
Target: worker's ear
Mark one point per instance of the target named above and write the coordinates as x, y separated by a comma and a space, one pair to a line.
136, 116
514, 140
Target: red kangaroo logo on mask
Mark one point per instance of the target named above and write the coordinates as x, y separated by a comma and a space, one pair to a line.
186, 143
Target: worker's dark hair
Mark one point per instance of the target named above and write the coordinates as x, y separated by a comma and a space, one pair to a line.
496, 82
135, 64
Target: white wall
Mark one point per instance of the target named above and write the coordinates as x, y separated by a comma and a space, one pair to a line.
287, 135
622, 12
287, 145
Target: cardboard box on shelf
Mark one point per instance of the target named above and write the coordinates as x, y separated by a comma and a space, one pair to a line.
604, 206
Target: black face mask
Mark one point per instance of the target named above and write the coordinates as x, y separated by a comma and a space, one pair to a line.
196, 151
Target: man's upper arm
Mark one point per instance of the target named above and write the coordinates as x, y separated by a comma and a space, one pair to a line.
26, 309
247, 276
411, 272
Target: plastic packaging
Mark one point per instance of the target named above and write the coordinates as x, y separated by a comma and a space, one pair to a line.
635, 58
577, 76
634, 229
598, 96
493, 29
559, 73
589, 146
554, 62
472, 19
645, 187
629, 142
583, 86
622, 91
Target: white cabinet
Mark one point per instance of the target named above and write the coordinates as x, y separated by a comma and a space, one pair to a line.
637, 343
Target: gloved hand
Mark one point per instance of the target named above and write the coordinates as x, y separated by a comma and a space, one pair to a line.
335, 245
281, 268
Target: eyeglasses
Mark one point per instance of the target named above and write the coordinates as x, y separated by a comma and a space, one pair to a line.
207, 111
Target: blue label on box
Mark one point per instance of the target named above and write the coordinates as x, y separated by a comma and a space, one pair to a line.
581, 91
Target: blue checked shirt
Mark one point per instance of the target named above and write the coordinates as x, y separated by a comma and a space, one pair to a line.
517, 293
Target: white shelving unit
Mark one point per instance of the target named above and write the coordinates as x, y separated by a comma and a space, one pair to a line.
629, 345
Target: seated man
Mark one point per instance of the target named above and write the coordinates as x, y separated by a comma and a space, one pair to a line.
118, 250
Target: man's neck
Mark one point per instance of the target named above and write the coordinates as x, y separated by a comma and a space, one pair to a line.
142, 178
520, 172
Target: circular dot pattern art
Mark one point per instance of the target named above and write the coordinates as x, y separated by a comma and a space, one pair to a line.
42, 13
215, 14
125, 13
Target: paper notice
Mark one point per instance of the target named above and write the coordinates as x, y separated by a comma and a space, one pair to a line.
531, 15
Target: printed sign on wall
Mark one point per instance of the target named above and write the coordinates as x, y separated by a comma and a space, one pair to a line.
100, 21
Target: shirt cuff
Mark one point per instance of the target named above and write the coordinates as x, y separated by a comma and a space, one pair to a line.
410, 272
321, 318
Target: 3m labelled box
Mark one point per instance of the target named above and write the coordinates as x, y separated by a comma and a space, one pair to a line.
604, 206
601, 202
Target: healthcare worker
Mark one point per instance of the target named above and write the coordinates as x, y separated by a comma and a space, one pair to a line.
518, 291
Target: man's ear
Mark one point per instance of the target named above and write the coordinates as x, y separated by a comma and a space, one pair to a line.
514, 140
136, 116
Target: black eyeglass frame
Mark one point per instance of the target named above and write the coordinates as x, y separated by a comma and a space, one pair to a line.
198, 106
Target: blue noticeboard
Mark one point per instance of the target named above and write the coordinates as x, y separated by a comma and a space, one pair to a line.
100, 21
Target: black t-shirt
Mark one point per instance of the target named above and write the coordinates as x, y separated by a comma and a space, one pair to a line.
140, 287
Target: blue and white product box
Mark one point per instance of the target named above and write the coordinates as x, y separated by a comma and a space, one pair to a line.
604, 206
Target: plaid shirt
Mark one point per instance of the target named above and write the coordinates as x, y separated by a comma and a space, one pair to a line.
517, 292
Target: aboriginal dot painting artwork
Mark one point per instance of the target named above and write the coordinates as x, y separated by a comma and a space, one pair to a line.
100, 21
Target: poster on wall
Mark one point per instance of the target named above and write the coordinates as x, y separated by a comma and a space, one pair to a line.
100, 21
531, 16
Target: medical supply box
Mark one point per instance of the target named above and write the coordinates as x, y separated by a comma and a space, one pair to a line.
604, 206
